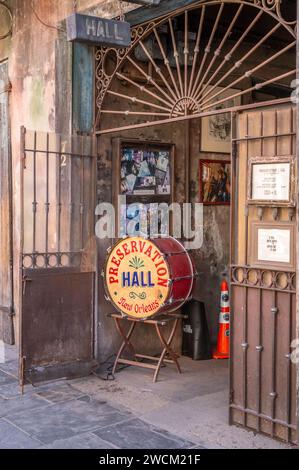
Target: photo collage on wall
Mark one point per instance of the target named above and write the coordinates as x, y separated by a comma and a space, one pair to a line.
145, 172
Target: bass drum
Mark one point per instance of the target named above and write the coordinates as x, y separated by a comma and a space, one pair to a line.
181, 273
144, 277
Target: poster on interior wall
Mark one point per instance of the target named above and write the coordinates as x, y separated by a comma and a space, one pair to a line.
215, 181
216, 129
145, 172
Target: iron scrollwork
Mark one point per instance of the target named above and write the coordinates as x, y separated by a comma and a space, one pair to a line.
186, 93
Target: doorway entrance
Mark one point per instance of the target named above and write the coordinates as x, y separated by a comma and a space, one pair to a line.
184, 77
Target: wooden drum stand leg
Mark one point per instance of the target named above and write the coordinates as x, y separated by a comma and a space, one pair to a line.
167, 349
126, 341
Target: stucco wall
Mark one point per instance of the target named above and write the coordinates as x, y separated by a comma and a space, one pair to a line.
33, 52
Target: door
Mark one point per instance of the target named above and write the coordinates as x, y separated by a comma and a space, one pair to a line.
58, 256
6, 259
263, 286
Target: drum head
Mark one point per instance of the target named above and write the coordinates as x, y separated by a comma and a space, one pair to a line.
136, 278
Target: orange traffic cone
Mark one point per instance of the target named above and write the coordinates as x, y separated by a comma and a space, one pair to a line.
222, 351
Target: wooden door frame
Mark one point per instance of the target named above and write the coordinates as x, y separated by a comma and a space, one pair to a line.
8, 309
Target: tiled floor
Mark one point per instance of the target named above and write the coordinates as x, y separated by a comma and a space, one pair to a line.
180, 411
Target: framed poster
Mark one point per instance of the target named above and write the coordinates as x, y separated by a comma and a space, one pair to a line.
216, 130
215, 181
271, 181
273, 245
145, 171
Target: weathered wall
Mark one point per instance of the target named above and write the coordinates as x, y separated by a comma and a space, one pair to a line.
40, 73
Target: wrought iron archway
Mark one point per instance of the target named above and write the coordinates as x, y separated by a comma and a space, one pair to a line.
187, 76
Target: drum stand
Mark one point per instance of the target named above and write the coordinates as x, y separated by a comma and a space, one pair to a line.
167, 355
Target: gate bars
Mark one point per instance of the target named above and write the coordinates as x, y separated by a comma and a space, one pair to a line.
57, 198
172, 71
262, 376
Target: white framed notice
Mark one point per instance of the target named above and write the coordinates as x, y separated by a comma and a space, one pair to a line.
271, 181
274, 245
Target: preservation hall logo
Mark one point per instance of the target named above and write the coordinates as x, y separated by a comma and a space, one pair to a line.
137, 277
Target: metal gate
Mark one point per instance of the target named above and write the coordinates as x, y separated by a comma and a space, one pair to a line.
181, 64
58, 255
263, 287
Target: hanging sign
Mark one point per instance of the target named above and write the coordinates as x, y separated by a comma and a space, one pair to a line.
271, 182
98, 31
137, 277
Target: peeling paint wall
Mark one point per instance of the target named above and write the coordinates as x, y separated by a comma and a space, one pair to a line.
40, 73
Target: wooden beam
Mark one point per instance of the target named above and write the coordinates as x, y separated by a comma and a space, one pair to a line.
144, 14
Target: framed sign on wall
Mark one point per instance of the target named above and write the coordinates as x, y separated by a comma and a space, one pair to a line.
272, 245
272, 181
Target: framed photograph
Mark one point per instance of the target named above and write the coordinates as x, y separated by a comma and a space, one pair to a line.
272, 245
272, 181
216, 130
215, 181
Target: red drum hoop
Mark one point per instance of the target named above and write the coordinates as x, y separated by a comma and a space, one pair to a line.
182, 273
145, 277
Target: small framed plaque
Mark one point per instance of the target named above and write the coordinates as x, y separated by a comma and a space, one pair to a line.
272, 245
271, 181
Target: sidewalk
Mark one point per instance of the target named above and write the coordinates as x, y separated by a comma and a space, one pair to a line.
179, 412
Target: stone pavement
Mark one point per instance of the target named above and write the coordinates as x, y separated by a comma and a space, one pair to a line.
179, 412
59, 416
